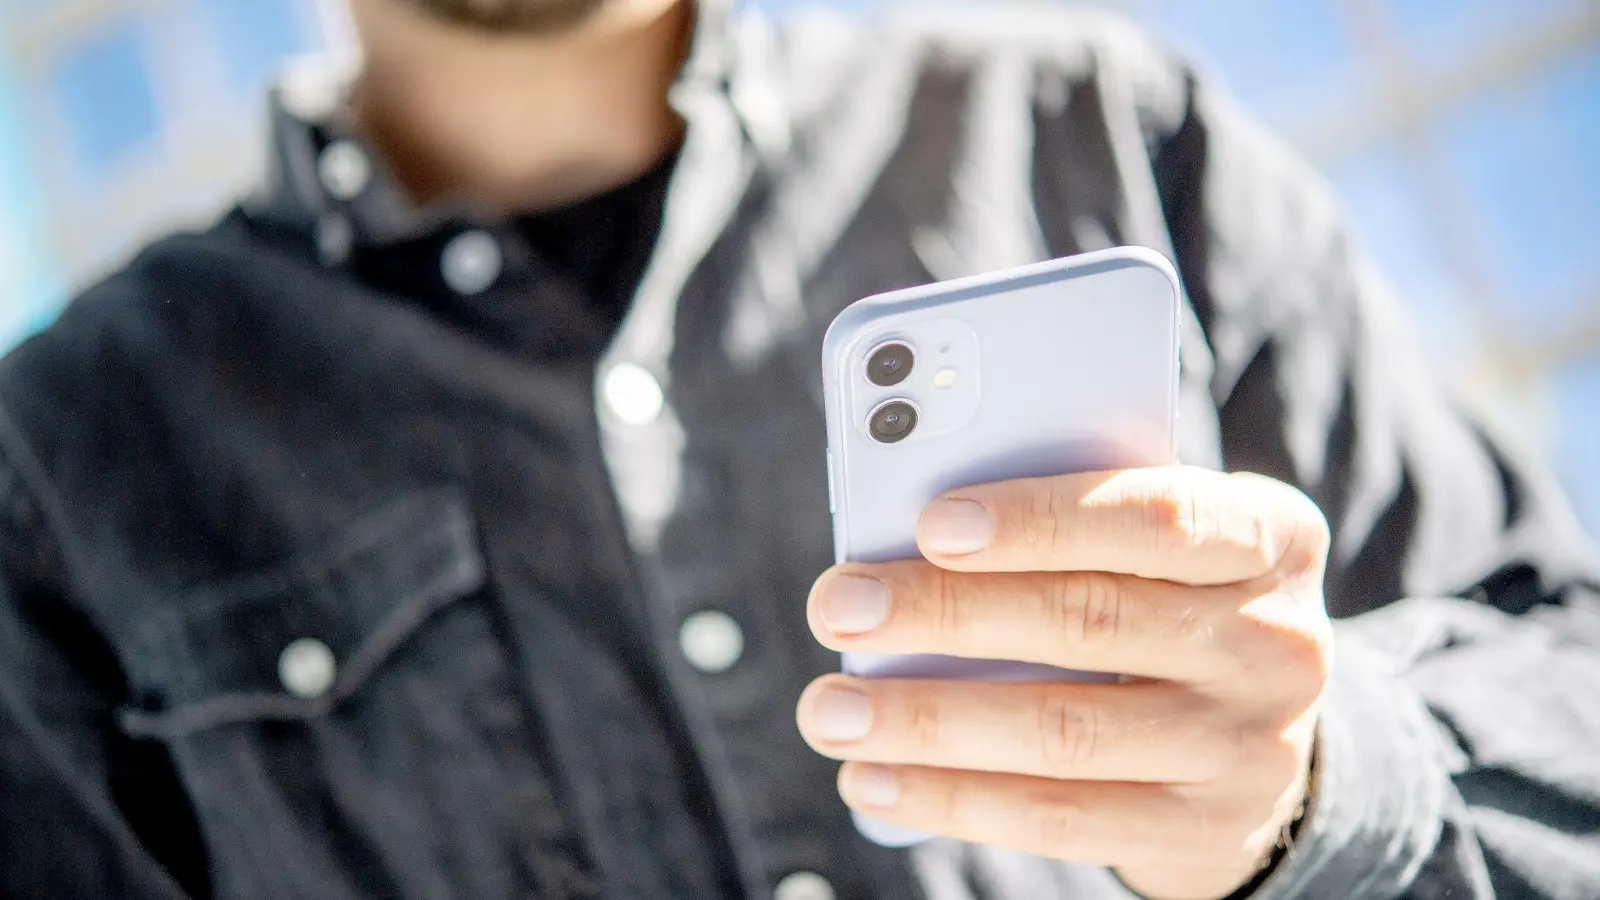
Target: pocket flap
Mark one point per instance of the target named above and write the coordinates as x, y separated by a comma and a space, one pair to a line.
290, 642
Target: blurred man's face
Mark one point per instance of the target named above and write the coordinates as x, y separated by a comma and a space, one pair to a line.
511, 15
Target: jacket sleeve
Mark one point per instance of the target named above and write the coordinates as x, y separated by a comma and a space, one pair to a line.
84, 812
1458, 747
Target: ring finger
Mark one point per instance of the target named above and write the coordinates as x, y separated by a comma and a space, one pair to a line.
1141, 732
1099, 823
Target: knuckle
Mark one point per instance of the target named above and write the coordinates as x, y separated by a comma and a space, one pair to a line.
950, 801
1266, 546
1054, 825
1069, 733
925, 727
1101, 609
1171, 515
1063, 509
1232, 748
1265, 757
1305, 659
1283, 647
1309, 541
1087, 608
1294, 535
948, 619
1041, 522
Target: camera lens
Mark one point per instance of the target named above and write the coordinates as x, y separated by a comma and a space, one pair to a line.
890, 365
892, 422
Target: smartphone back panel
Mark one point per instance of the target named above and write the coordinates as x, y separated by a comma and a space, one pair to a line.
1061, 367
1066, 366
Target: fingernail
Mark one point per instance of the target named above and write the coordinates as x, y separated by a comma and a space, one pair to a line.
956, 527
841, 715
874, 786
852, 604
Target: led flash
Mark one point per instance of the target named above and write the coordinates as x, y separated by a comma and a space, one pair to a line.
945, 378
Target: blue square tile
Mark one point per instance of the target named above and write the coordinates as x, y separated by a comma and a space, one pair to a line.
104, 96
1575, 107
1438, 34
1379, 192
253, 37
29, 292
1577, 393
1522, 161
1275, 56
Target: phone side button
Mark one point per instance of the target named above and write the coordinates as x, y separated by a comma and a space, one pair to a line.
831, 509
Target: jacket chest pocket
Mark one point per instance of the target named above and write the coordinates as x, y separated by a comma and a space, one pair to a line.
353, 725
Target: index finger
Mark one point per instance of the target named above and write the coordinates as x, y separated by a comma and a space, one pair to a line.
1188, 525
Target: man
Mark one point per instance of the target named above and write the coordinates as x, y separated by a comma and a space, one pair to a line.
326, 574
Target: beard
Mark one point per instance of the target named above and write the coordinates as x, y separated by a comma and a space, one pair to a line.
511, 16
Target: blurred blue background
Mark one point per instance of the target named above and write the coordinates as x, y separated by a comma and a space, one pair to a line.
1463, 135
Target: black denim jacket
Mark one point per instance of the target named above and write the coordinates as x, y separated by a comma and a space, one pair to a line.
329, 573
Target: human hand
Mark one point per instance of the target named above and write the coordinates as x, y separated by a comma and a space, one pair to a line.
1203, 590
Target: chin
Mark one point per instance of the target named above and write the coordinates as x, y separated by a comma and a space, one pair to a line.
511, 16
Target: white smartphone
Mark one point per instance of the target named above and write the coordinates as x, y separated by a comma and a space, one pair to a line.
1050, 369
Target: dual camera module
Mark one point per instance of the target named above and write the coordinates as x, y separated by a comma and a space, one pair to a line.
891, 421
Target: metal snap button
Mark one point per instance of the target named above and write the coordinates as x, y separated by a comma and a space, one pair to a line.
711, 641
471, 262
344, 170
633, 394
804, 886
307, 668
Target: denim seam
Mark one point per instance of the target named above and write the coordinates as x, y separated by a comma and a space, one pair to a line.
449, 587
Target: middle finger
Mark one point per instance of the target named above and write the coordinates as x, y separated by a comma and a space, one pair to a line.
1075, 620
1146, 732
